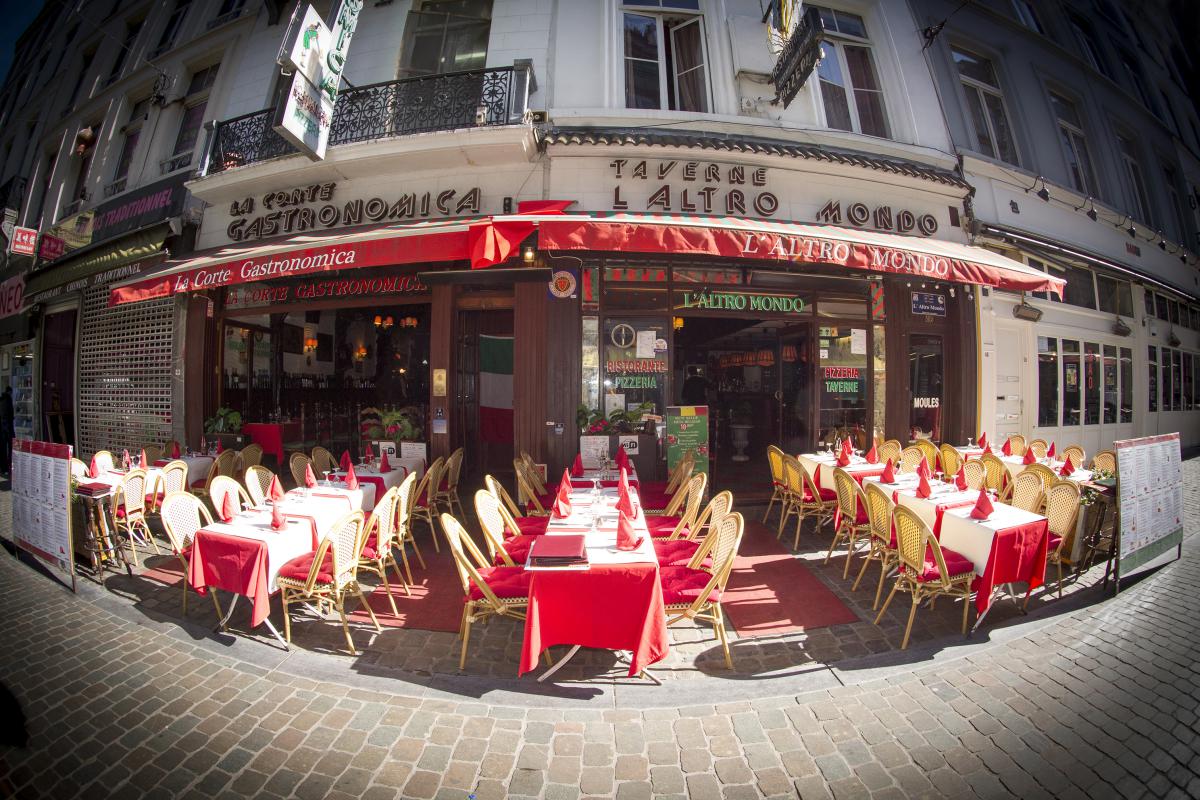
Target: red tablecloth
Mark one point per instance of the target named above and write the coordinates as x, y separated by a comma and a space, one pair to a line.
611, 606
1018, 555
271, 436
234, 564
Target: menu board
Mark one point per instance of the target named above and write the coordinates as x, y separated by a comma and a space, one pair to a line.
1150, 499
593, 450
687, 429
41, 502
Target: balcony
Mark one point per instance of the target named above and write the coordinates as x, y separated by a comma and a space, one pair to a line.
176, 162
116, 187
474, 98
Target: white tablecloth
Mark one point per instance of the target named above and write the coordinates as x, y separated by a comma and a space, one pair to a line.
829, 463
601, 543
356, 499
973, 537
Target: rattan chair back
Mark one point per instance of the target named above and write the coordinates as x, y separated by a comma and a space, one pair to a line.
406, 493
1062, 507
174, 476
722, 544
910, 457
453, 470
1016, 444
682, 471
251, 455
346, 540
223, 485
468, 560
889, 451
427, 488
1105, 460
531, 472
323, 460
1047, 475
133, 493
226, 463
1027, 491
382, 521
951, 459
793, 477
1039, 447
297, 465
79, 470
183, 514
258, 479
913, 540
497, 488
490, 512
994, 471
104, 461
879, 512
929, 450
153, 453
720, 505
974, 473
775, 463
1075, 453
849, 494
690, 499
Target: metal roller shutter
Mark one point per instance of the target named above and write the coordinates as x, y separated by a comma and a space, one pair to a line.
125, 356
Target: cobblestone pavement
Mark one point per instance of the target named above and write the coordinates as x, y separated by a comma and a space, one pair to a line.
1100, 701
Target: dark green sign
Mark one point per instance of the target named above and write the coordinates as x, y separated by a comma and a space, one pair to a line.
743, 301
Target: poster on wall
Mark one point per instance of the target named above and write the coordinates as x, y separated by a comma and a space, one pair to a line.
1150, 500
629, 444
41, 503
687, 429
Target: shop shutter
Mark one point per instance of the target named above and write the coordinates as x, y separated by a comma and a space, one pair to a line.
125, 357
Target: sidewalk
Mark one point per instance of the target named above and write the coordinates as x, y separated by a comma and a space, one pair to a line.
1097, 702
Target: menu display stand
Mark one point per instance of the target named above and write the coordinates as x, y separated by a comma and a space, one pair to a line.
41, 504
1149, 520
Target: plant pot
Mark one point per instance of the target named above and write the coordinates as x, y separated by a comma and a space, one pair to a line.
740, 432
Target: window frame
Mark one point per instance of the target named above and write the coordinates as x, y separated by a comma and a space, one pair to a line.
175, 161
668, 78
1027, 15
1170, 179
974, 84
1135, 176
837, 40
1072, 132
1089, 45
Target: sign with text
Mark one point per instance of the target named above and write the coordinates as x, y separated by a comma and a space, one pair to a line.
929, 304
254, 295
687, 430
883, 218
701, 187
24, 241
12, 296
740, 301
41, 503
52, 247
593, 450
1150, 500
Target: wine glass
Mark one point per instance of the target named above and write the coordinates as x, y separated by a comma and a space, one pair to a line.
327, 473
970, 442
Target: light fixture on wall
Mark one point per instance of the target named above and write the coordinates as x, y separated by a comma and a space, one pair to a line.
409, 322
384, 322
528, 254
1120, 328
360, 353
1026, 311
677, 323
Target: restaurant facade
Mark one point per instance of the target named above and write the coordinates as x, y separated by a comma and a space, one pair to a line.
801, 294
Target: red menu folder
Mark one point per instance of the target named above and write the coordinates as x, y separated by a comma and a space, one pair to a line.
558, 550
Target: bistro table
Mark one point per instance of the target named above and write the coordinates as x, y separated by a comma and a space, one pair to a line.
197, 467
271, 436
244, 556
100, 539
607, 478
614, 603
822, 465
375, 483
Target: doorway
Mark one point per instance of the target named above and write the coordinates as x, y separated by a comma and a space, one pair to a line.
483, 392
58, 376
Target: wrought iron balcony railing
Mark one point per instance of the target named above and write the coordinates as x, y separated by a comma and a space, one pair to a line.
473, 98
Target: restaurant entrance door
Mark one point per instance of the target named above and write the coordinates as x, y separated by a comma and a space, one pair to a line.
483, 401
795, 395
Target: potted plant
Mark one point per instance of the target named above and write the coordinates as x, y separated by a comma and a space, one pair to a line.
225, 426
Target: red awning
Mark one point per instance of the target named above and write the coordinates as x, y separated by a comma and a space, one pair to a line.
790, 242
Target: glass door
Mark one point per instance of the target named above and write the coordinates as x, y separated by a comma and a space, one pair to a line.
925, 364
796, 430
843, 390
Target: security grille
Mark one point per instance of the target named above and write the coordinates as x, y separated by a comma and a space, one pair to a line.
125, 357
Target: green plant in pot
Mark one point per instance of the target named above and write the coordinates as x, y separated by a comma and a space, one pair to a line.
226, 420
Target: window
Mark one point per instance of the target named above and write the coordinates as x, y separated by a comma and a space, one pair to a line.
1026, 14
174, 23
83, 70
1188, 397
194, 104
1079, 160
992, 131
1116, 296
1148, 298
131, 33
1091, 383
1126, 384
1071, 388
133, 131
1080, 290
1134, 78
849, 84
1089, 46
1171, 179
1047, 382
1163, 311
446, 36
925, 382
1152, 371
1176, 380
1110, 384
1134, 179
665, 60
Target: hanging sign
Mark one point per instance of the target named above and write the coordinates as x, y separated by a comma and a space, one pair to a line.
24, 241
929, 304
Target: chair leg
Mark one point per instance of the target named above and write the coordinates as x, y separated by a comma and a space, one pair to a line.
849, 553
871, 553
1058, 564
719, 624
416, 551
837, 535
799, 521
887, 602
785, 509
404, 558
287, 618
387, 587
341, 609
433, 533
770, 505
912, 614
367, 606
466, 637
399, 576
884, 561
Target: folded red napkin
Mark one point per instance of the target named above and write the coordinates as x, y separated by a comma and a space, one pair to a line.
625, 538
889, 473
278, 521
346, 461
960, 480
983, 506
142, 463
577, 466
275, 489
622, 458
1007, 448
310, 480
923, 468
1050, 452
562, 502
843, 460
93, 469
983, 441
351, 479
1068, 468
220, 447
987, 449
175, 450
625, 503
872, 456
923, 489
126, 462
384, 466
1029, 457
228, 509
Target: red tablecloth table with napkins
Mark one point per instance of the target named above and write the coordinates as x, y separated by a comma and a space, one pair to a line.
1008, 547
271, 436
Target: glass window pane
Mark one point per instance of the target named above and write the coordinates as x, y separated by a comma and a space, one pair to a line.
1162, 312
1005, 145
1064, 109
1148, 300
641, 37
1072, 390
189, 128
629, 380
1080, 291
1126, 385
688, 51
131, 140
833, 91
972, 66
925, 381
1187, 382
851, 24
1085, 163
1165, 372
591, 362
1177, 380
843, 385
867, 97
1110, 384
1091, 377
641, 84
1152, 384
1047, 382
1116, 296
862, 71
983, 134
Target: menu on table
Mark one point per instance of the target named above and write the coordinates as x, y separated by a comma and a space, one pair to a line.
41, 481
1149, 498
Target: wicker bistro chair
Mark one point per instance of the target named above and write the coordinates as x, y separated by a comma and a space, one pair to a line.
250, 456
883, 541
679, 526
665, 499
182, 515
852, 520
889, 451
222, 465
105, 462
695, 593
1076, 454
447, 492
1105, 460
975, 474
405, 496
805, 499
929, 450
1062, 511
1039, 447
692, 552
994, 471
223, 485
531, 472
173, 478
323, 460
490, 591
516, 521
129, 511
79, 470
1016, 443
375, 553
257, 479
327, 575
510, 551
424, 503
536, 502
296, 465
1026, 491
952, 461
153, 453
910, 458
923, 576
778, 485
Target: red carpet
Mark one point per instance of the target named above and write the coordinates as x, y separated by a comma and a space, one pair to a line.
771, 592
436, 602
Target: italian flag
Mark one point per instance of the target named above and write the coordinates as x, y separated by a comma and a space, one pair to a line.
496, 388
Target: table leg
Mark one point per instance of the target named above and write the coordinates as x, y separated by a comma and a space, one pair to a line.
561, 661
229, 613
275, 633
